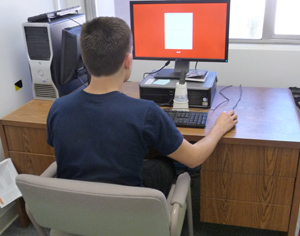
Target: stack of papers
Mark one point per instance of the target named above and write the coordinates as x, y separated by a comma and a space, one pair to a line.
196, 75
8, 188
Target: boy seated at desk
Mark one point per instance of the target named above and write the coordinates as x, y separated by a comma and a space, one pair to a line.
100, 134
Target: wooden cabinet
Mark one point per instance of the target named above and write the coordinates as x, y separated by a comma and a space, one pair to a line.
24, 138
28, 149
249, 186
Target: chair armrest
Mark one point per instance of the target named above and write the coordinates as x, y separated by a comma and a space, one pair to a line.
181, 190
180, 200
50, 171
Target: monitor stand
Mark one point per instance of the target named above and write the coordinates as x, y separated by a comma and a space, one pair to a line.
180, 65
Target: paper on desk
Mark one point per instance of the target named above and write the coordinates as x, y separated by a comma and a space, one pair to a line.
8, 188
162, 81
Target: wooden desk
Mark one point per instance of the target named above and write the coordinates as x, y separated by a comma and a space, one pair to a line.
252, 178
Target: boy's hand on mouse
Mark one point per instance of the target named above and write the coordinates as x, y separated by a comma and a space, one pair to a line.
226, 121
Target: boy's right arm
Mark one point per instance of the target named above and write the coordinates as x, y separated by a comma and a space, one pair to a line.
193, 155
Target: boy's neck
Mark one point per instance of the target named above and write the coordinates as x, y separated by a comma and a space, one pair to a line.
104, 84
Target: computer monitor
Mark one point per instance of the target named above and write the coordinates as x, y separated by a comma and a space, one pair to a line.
182, 31
73, 71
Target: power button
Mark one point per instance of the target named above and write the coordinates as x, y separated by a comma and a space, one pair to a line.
40, 73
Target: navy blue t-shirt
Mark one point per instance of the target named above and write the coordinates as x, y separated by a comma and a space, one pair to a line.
105, 138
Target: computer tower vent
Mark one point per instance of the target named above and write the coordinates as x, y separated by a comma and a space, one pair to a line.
45, 91
37, 40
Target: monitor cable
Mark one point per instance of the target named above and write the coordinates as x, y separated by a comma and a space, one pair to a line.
74, 21
153, 72
81, 72
196, 67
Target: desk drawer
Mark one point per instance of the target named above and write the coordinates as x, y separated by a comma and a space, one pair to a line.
245, 214
29, 140
241, 159
29, 163
249, 188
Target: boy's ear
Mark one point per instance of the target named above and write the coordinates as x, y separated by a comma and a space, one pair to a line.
127, 65
128, 61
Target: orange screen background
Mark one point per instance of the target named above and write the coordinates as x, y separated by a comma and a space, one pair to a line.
209, 30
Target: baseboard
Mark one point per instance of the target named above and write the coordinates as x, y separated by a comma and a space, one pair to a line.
8, 215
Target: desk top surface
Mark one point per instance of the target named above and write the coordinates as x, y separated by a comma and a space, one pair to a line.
267, 116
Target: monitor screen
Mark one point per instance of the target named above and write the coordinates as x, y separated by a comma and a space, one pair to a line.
182, 31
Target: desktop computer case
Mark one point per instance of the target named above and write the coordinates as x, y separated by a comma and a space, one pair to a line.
43, 41
200, 95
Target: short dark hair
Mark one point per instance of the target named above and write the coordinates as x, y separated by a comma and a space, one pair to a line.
104, 43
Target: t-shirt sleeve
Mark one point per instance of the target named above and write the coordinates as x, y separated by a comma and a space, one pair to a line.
160, 131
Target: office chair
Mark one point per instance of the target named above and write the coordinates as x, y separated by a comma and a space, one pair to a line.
72, 207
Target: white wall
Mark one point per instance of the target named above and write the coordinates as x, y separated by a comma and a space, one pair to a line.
108, 10
249, 65
13, 59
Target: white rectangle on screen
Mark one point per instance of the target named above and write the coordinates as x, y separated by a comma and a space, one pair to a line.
179, 31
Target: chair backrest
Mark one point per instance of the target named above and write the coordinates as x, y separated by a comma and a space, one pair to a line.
88, 208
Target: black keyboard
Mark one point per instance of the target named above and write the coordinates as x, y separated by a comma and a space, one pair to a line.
189, 119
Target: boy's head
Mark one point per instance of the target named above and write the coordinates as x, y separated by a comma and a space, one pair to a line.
104, 43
